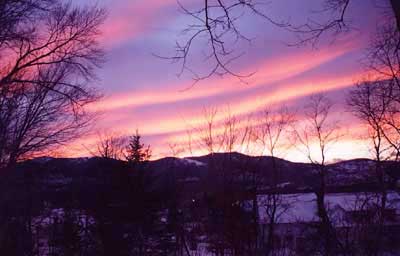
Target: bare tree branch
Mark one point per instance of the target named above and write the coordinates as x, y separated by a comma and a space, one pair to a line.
44, 79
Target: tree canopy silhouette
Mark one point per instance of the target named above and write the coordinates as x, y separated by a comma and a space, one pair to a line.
49, 52
136, 151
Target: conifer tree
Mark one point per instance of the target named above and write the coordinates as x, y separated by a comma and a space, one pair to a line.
137, 152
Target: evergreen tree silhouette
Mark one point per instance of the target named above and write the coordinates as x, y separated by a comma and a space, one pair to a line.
137, 152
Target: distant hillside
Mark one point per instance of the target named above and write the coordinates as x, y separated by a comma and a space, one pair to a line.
199, 173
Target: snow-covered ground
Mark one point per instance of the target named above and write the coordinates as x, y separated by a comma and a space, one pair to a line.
302, 207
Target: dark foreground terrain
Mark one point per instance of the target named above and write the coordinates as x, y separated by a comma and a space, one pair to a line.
211, 205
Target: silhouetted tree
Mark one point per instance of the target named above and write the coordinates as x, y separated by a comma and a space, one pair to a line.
227, 228
52, 53
110, 145
49, 52
272, 132
143, 205
372, 103
322, 132
136, 151
16, 17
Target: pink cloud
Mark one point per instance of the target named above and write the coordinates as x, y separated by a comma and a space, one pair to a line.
130, 21
268, 72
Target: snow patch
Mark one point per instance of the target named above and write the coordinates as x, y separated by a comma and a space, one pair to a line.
193, 162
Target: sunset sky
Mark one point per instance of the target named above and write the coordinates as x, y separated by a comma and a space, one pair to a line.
144, 92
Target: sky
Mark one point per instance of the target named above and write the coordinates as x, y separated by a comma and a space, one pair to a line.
144, 92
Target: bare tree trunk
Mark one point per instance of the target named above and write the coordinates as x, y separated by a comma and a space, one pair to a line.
382, 206
332, 244
396, 11
324, 132
271, 229
272, 217
323, 215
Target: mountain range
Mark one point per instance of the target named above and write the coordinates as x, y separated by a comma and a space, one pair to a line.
197, 173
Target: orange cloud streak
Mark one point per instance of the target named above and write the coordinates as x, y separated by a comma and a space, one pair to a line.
286, 92
173, 128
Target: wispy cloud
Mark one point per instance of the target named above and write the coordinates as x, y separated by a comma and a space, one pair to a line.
133, 20
163, 107
268, 72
